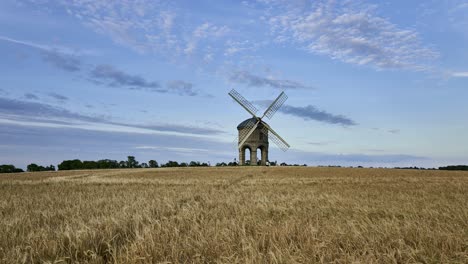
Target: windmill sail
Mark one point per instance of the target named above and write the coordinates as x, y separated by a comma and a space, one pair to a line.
248, 106
271, 110
279, 141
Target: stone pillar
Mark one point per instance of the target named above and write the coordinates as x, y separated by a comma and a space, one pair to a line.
241, 156
253, 156
264, 156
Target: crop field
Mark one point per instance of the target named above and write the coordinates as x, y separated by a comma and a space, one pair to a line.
234, 215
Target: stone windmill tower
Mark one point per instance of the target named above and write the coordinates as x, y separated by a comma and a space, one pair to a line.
254, 133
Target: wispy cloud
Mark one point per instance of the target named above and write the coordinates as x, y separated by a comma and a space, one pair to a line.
460, 74
313, 113
194, 152
393, 131
176, 128
61, 57
234, 47
249, 79
373, 150
33, 112
145, 26
26, 110
62, 61
321, 143
111, 76
340, 159
31, 96
141, 25
181, 87
42, 47
117, 78
67, 60
349, 31
49, 145
175, 149
58, 97
204, 32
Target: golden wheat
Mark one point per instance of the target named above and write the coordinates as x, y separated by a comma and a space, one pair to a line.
234, 215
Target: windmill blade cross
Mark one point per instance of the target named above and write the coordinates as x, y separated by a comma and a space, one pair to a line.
279, 141
248, 106
279, 101
247, 135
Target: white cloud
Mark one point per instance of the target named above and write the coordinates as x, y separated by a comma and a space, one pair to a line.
252, 80
141, 25
186, 151
28, 113
190, 47
351, 33
190, 150
460, 74
147, 26
233, 47
444, 16
45, 47
206, 30
208, 58
205, 34
348, 31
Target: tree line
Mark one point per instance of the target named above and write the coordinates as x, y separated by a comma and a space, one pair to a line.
131, 162
455, 167
7, 168
34, 167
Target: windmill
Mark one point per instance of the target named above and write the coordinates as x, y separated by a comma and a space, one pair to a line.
254, 132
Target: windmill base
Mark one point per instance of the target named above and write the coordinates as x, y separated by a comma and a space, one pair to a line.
253, 156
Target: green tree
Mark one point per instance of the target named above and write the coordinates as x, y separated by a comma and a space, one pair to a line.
194, 164
75, 164
7, 168
107, 164
153, 164
131, 162
50, 168
32, 167
90, 165
171, 164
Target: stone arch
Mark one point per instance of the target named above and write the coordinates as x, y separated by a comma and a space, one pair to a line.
242, 154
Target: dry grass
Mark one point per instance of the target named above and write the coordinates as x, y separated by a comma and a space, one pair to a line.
235, 215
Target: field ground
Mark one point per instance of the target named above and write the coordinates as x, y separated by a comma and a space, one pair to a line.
234, 215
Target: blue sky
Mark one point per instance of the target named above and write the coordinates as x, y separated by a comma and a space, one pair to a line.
373, 83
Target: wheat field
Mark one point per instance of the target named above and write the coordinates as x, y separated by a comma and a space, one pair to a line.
235, 215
